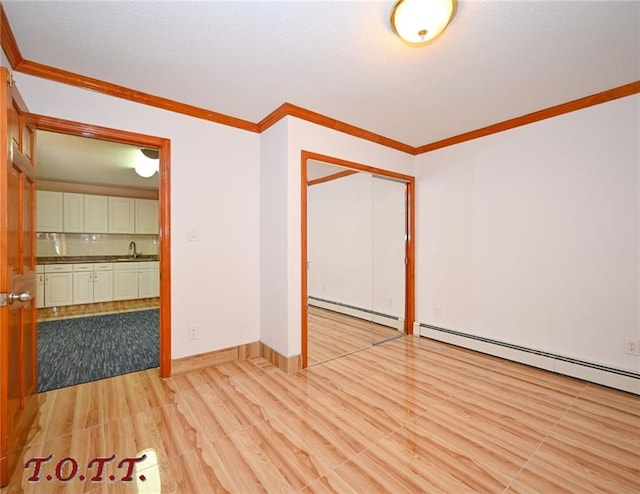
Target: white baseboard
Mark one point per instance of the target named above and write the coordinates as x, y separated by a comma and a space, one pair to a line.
600, 374
367, 315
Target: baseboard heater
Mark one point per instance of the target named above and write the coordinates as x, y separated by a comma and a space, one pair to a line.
600, 374
359, 312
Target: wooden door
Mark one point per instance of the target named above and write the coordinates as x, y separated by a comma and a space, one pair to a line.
18, 363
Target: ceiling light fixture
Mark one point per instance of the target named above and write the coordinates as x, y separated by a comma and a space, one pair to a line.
419, 21
149, 163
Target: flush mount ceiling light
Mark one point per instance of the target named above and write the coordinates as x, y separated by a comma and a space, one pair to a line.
149, 163
419, 21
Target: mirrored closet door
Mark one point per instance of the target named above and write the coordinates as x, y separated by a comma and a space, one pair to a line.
356, 250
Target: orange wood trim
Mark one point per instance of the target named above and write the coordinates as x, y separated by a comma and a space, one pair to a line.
97, 189
357, 166
274, 117
65, 77
85, 130
287, 109
53, 124
4, 275
553, 111
410, 251
165, 258
288, 365
303, 259
8, 41
329, 178
410, 269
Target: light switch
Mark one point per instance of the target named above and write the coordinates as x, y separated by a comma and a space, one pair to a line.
194, 234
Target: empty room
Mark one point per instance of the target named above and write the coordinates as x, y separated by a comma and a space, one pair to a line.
320, 246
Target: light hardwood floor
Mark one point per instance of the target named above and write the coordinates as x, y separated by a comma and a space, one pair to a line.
331, 334
410, 415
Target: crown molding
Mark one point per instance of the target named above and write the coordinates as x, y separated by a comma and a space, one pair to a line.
8, 41
553, 111
58, 75
291, 110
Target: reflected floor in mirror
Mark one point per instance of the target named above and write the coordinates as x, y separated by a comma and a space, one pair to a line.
331, 334
410, 415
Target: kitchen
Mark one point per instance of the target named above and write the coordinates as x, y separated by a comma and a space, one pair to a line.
97, 243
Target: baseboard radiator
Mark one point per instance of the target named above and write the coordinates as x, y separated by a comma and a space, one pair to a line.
624, 380
359, 312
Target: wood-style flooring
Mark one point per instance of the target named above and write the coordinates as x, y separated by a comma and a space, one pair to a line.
331, 334
409, 415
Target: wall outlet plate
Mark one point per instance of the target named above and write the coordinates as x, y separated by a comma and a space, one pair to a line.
192, 332
631, 346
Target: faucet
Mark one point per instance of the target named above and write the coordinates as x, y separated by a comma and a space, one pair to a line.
132, 245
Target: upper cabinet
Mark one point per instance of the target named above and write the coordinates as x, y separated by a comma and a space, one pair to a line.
73, 218
87, 213
49, 211
147, 216
122, 216
96, 214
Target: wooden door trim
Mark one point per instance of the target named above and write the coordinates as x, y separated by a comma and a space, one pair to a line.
329, 178
62, 126
409, 247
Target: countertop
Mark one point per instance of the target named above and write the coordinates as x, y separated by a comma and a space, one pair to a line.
95, 259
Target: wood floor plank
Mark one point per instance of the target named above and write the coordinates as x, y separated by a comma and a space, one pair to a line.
409, 415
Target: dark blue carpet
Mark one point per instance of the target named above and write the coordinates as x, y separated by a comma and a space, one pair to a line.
74, 351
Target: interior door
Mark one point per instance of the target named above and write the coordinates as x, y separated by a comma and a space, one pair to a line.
18, 364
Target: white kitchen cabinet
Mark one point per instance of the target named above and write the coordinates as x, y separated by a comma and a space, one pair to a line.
49, 211
82, 283
96, 214
148, 279
73, 217
58, 285
40, 287
92, 282
125, 280
102, 282
147, 219
121, 215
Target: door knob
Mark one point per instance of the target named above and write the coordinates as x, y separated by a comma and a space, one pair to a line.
20, 297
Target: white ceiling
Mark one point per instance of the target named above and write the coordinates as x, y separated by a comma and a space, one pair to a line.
495, 61
66, 158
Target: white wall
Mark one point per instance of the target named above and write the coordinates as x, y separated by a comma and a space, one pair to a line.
215, 187
273, 235
530, 236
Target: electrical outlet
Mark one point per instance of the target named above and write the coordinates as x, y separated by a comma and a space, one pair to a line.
631, 346
192, 332
437, 312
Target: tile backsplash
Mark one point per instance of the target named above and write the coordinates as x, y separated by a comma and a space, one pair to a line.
93, 244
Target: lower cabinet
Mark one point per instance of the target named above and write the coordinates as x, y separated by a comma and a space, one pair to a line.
102, 283
58, 285
85, 283
125, 281
92, 282
148, 279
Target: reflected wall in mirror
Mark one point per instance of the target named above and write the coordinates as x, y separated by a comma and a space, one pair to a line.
356, 248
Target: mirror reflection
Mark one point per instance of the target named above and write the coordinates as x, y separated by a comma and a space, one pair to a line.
356, 241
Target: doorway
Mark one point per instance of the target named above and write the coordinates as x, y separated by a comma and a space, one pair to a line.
357, 256
164, 255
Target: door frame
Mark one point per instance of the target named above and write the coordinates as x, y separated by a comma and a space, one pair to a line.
52, 124
409, 244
